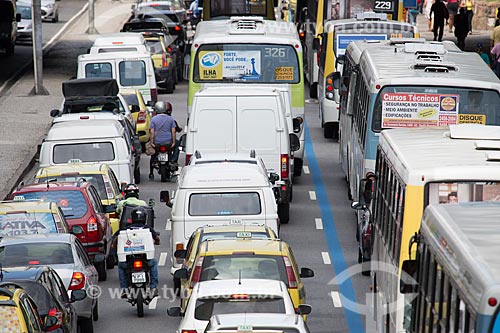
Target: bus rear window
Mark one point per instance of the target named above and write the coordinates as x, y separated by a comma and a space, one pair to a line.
258, 63
86, 152
427, 106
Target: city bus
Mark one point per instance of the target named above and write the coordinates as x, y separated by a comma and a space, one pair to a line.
417, 167
411, 85
456, 270
251, 51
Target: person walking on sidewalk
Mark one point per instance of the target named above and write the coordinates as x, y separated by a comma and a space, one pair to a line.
461, 28
452, 7
427, 13
440, 15
469, 4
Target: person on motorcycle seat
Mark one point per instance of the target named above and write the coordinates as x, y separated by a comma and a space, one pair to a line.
131, 192
162, 132
139, 218
175, 151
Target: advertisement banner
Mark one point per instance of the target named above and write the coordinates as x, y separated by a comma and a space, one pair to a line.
418, 110
210, 65
241, 64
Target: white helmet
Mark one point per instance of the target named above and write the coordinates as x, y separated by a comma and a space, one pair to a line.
160, 107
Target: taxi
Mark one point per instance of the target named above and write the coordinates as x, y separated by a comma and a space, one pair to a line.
164, 60
100, 175
140, 113
16, 318
21, 217
245, 258
211, 232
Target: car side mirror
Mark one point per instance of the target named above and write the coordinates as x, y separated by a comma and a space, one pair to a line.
304, 309
76, 230
164, 196
294, 142
174, 311
49, 322
99, 257
273, 177
306, 272
296, 122
18, 17
78, 295
316, 44
408, 283
336, 80
181, 273
134, 108
181, 254
54, 113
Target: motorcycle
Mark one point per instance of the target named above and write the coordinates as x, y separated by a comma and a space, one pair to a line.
163, 165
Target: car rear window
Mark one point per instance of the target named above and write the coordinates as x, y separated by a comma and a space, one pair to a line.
42, 253
154, 46
95, 180
117, 49
27, 223
8, 314
233, 235
205, 308
132, 72
131, 99
217, 204
86, 152
71, 202
39, 294
249, 266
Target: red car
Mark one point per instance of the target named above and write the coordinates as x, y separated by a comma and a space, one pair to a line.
86, 216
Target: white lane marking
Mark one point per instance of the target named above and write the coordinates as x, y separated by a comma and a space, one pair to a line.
337, 303
306, 169
326, 258
319, 223
168, 226
152, 305
312, 195
163, 259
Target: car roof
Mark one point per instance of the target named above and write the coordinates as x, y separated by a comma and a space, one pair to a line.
72, 169
244, 286
90, 129
275, 320
225, 157
28, 206
38, 238
230, 246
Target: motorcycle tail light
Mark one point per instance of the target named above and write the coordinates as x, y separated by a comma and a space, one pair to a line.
177, 28
163, 149
137, 264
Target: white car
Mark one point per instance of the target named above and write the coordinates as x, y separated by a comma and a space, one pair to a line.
25, 27
257, 322
50, 10
234, 296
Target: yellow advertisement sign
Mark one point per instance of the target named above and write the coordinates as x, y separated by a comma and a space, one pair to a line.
210, 64
284, 74
472, 119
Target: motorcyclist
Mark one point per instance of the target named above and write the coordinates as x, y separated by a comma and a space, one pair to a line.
162, 132
175, 152
131, 192
139, 218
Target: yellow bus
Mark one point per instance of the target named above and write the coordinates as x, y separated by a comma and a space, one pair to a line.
414, 168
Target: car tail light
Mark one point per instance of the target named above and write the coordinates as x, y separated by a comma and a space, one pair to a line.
196, 272
292, 281
188, 159
77, 281
240, 296
154, 95
137, 265
177, 28
54, 312
169, 49
189, 331
163, 149
141, 117
329, 87
164, 60
284, 166
92, 224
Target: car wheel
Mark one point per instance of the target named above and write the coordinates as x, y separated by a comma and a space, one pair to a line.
95, 311
137, 175
169, 88
101, 270
328, 131
56, 18
297, 167
110, 262
163, 173
86, 325
284, 212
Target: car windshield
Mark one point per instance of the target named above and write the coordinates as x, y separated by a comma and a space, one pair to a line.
86, 152
27, 223
243, 266
205, 308
40, 253
25, 12
71, 202
217, 204
95, 180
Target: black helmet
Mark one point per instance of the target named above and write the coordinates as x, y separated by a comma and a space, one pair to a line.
131, 190
139, 216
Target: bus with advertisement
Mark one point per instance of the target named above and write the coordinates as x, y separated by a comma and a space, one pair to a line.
417, 167
411, 85
251, 51
456, 286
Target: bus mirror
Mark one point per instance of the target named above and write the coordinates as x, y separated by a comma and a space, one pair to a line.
316, 44
408, 284
336, 80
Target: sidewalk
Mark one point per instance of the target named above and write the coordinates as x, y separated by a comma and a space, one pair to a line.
25, 119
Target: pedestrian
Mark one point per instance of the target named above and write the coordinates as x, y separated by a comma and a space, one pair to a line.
495, 36
484, 55
452, 7
469, 4
497, 21
412, 15
427, 13
461, 28
495, 56
440, 15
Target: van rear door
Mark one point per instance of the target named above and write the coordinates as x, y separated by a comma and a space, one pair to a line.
260, 127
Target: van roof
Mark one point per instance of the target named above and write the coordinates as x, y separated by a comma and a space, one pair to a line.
222, 175
127, 38
113, 56
237, 90
88, 129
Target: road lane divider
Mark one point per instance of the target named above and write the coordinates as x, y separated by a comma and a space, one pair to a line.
319, 223
163, 259
326, 258
337, 303
312, 195
306, 170
153, 303
168, 225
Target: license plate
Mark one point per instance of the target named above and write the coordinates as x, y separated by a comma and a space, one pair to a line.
163, 157
139, 277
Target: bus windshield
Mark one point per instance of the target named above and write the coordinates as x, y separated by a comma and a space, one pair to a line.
259, 63
419, 106
469, 191
221, 8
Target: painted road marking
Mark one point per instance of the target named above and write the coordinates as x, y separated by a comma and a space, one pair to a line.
319, 223
152, 305
168, 226
326, 258
337, 303
306, 169
312, 195
163, 259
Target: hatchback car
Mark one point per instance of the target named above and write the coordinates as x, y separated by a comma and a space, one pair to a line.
100, 175
47, 290
82, 207
21, 217
166, 59
50, 10
66, 255
18, 312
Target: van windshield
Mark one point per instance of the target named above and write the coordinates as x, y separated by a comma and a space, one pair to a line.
25, 12
224, 204
86, 152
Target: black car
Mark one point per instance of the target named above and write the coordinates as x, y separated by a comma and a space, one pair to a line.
47, 290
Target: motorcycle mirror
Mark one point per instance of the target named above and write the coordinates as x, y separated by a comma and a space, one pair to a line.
357, 205
54, 113
164, 196
49, 322
151, 202
306, 272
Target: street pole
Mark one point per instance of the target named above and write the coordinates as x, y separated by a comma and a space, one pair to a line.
36, 14
92, 30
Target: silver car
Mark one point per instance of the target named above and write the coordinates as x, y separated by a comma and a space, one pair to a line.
50, 10
66, 255
257, 322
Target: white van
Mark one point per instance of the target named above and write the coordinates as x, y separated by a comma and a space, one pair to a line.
220, 189
236, 119
90, 141
119, 42
132, 70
